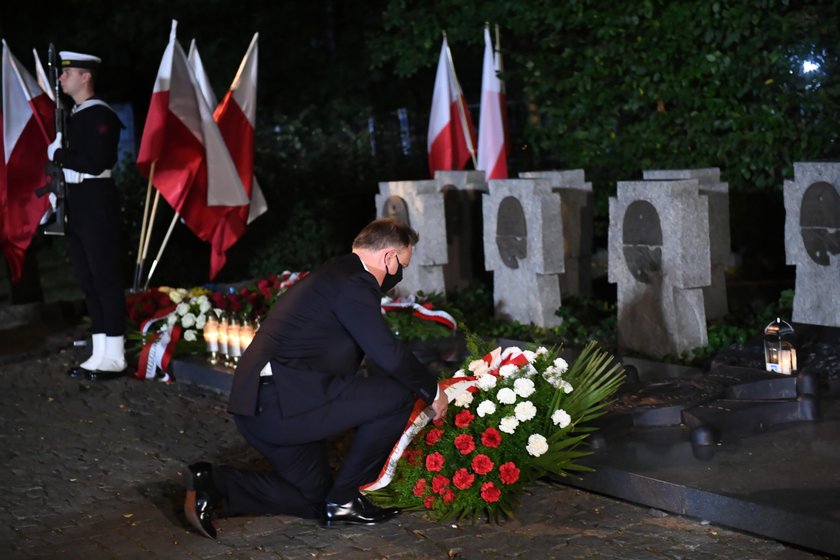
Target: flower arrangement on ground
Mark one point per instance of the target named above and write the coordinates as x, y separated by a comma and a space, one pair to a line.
514, 417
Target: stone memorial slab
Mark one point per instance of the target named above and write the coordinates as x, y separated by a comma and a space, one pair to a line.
576, 209
420, 205
462, 194
812, 241
714, 295
659, 259
523, 247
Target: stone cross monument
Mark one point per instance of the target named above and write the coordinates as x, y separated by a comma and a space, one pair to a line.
523, 247
812, 241
576, 208
462, 195
659, 258
714, 295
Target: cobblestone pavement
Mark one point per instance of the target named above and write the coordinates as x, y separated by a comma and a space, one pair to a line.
94, 470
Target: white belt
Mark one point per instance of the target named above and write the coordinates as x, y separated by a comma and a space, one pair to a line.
266, 371
73, 176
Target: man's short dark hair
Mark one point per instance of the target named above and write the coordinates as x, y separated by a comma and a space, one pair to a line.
385, 232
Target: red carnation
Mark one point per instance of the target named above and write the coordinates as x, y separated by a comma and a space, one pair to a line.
434, 462
419, 487
464, 418
449, 496
489, 492
439, 484
438, 422
465, 444
491, 438
429, 501
509, 473
463, 479
482, 464
433, 435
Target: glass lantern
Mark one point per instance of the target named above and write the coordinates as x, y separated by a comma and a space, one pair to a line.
223, 337
779, 350
246, 334
233, 341
211, 337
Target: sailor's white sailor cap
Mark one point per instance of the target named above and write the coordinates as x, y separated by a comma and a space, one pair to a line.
70, 59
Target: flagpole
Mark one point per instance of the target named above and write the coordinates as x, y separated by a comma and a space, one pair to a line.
138, 269
162, 247
461, 112
148, 235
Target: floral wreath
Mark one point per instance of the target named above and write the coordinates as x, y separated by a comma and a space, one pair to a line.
517, 415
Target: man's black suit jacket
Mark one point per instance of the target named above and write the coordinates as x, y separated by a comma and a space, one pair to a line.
315, 338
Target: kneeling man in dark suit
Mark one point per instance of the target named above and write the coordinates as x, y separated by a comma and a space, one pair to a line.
296, 385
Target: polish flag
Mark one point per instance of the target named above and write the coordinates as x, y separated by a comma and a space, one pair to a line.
236, 118
193, 169
451, 134
28, 128
492, 151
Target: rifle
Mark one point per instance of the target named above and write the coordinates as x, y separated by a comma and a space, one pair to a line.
55, 184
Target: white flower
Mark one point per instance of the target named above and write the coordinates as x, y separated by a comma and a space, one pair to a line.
478, 367
200, 321
530, 371
486, 408
486, 381
506, 396
463, 400
537, 445
182, 309
561, 418
460, 373
204, 306
508, 424
508, 369
188, 320
189, 335
542, 350
524, 387
530, 355
567, 387
524, 411
561, 365
177, 295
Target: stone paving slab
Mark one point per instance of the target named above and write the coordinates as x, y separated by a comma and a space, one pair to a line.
94, 470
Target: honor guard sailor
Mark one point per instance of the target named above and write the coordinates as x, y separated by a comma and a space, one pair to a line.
87, 155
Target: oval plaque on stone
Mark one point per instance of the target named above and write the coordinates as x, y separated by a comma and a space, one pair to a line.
395, 207
511, 232
819, 221
642, 240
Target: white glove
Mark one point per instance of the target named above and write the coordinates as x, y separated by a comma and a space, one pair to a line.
56, 144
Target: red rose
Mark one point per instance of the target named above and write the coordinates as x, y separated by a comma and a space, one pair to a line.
434, 462
509, 473
438, 422
491, 438
439, 484
463, 479
465, 444
419, 487
489, 492
464, 418
449, 497
429, 501
482, 464
433, 435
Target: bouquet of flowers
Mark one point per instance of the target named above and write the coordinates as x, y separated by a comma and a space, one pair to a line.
515, 416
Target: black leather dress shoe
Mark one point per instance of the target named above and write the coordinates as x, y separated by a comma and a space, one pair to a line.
78, 372
201, 497
358, 511
100, 375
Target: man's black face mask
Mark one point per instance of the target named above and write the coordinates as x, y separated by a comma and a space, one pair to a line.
392, 280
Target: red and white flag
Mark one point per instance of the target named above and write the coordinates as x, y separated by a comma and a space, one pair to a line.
451, 137
28, 128
193, 169
236, 116
492, 149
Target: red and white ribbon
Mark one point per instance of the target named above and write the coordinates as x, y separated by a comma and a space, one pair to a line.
423, 311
